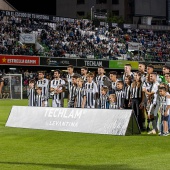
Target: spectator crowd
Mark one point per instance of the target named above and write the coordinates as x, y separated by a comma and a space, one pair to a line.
82, 39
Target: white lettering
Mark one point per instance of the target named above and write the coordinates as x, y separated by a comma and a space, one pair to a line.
15, 61
50, 114
42, 17
30, 61
71, 115
46, 112
78, 114
63, 113
63, 124
93, 63
21, 61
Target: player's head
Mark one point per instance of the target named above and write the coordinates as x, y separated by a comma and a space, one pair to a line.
112, 97
153, 76
113, 75
101, 70
119, 85
39, 90
137, 76
162, 84
104, 90
31, 83
128, 80
141, 67
90, 77
165, 69
162, 91
127, 68
149, 68
70, 69
167, 77
80, 82
74, 79
56, 73
84, 70
41, 74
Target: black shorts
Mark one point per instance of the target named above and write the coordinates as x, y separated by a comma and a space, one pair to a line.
165, 118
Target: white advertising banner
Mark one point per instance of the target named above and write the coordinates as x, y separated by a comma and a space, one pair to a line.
133, 46
98, 121
27, 38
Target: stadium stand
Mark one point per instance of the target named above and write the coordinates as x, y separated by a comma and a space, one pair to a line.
81, 39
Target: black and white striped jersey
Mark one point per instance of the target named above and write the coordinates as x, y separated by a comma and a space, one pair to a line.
57, 84
39, 100
163, 104
84, 79
44, 83
113, 105
143, 77
91, 90
31, 97
131, 75
127, 92
69, 81
113, 87
104, 101
72, 94
154, 89
146, 85
79, 94
168, 87
100, 82
136, 92
120, 97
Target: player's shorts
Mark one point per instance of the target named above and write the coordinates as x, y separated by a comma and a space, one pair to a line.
165, 118
57, 103
46, 103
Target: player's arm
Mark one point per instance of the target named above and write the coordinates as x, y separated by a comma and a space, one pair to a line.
75, 102
51, 87
122, 102
167, 105
43, 103
96, 92
61, 88
149, 93
84, 102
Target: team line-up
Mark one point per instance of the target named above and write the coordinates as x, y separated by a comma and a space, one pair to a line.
143, 91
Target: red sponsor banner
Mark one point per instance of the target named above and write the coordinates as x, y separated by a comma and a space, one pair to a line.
19, 60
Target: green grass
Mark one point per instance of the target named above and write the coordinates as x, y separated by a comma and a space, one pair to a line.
30, 149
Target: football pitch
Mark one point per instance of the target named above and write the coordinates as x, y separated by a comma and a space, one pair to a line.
30, 149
